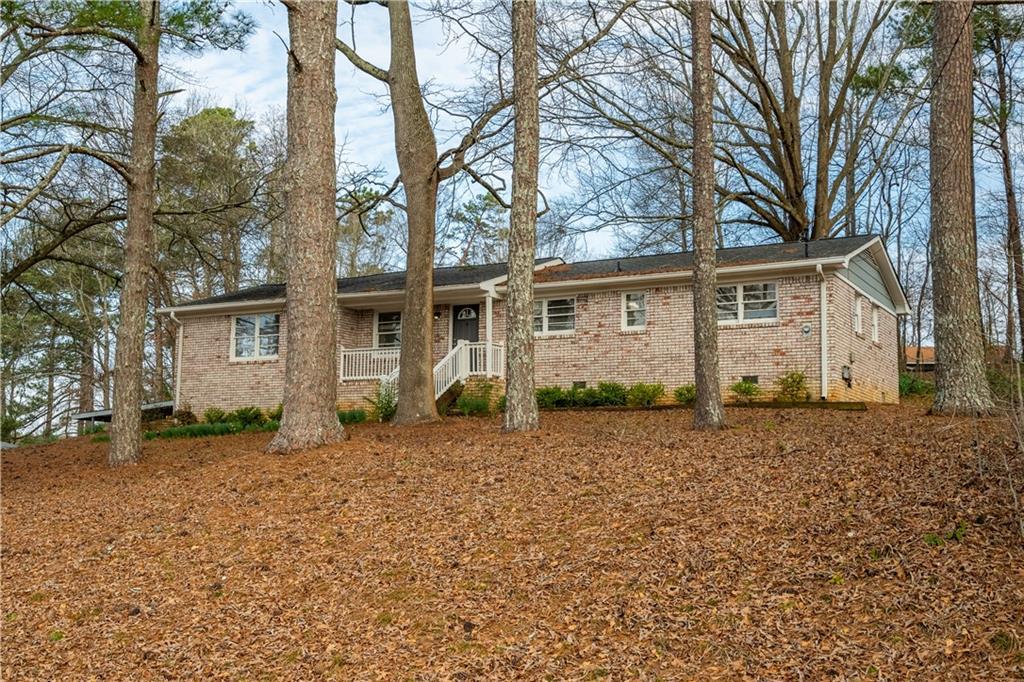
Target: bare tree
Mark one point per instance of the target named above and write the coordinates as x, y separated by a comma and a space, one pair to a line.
521, 401
310, 393
960, 382
708, 412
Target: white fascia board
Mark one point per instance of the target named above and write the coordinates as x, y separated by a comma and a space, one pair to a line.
229, 307
725, 273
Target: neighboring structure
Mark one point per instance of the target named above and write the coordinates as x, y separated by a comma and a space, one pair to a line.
826, 308
920, 358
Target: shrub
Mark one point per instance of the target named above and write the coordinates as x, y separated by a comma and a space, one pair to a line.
8, 428
37, 440
745, 391
200, 430
686, 394
384, 402
101, 438
99, 427
184, 416
551, 396
1002, 383
501, 404
584, 397
247, 416
612, 393
911, 384
214, 415
276, 413
793, 387
473, 405
644, 395
356, 416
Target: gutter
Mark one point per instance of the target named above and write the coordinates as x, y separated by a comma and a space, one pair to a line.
177, 358
823, 315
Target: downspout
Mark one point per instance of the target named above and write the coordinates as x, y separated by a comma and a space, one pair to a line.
177, 360
823, 315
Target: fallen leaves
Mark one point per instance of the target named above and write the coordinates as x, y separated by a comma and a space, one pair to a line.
791, 545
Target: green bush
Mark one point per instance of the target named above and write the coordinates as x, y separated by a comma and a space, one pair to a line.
384, 402
8, 429
612, 393
745, 391
247, 416
276, 413
792, 387
644, 395
101, 438
37, 440
356, 416
1002, 383
501, 404
584, 397
473, 405
98, 427
686, 394
214, 415
911, 384
551, 396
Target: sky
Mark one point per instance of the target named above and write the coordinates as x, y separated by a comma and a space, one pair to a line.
255, 80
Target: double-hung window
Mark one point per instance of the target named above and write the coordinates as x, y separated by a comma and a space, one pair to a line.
858, 316
255, 336
634, 310
554, 316
747, 302
874, 323
388, 333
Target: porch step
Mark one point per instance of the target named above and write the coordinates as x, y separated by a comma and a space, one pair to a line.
448, 398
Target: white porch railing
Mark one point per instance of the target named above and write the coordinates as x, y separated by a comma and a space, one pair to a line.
367, 363
463, 361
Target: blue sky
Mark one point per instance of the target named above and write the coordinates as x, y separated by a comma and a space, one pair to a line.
255, 80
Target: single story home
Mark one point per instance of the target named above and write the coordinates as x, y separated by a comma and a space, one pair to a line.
826, 308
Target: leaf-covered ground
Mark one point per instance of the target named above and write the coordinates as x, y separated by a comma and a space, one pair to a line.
798, 544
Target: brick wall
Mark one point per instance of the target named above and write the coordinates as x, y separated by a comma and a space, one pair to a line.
874, 367
598, 350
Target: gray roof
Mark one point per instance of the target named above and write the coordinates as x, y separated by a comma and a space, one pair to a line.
608, 267
740, 255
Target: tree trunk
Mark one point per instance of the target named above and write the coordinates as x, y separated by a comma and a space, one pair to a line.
521, 397
708, 412
960, 383
417, 163
158, 357
310, 389
823, 156
1012, 212
51, 369
86, 378
126, 443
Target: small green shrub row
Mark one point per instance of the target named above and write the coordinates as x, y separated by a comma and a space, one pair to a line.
686, 394
356, 416
911, 384
246, 416
606, 394
202, 430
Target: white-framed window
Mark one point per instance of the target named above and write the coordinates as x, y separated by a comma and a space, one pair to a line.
874, 323
387, 330
757, 302
256, 336
554, 316
858, 315
634, 310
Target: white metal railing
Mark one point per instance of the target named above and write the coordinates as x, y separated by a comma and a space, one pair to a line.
464, 360
368, 363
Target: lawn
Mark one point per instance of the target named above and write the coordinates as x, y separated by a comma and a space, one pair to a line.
800, 543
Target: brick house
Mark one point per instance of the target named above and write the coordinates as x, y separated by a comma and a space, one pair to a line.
827, 308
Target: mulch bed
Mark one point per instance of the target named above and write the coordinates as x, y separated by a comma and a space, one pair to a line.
799, 544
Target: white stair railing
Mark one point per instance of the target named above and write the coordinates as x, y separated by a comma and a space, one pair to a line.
451, 368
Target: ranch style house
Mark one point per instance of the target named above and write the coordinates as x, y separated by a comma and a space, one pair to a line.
827, 308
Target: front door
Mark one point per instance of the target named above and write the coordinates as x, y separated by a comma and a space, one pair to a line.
465, 323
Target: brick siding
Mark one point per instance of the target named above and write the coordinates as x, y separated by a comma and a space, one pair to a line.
598, 350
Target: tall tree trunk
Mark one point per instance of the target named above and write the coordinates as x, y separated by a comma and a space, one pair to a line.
960, 383
125, 437
417, 163
1006, 163
708, 412
823, 156
521, 398
51, 369
310, 389
86, 378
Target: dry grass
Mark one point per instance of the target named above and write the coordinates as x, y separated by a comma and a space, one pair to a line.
799, 544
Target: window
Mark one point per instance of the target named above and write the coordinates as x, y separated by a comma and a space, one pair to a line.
256, 336
858, 322
634, 310
747, 303
389, 330
554, 315
874, 323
